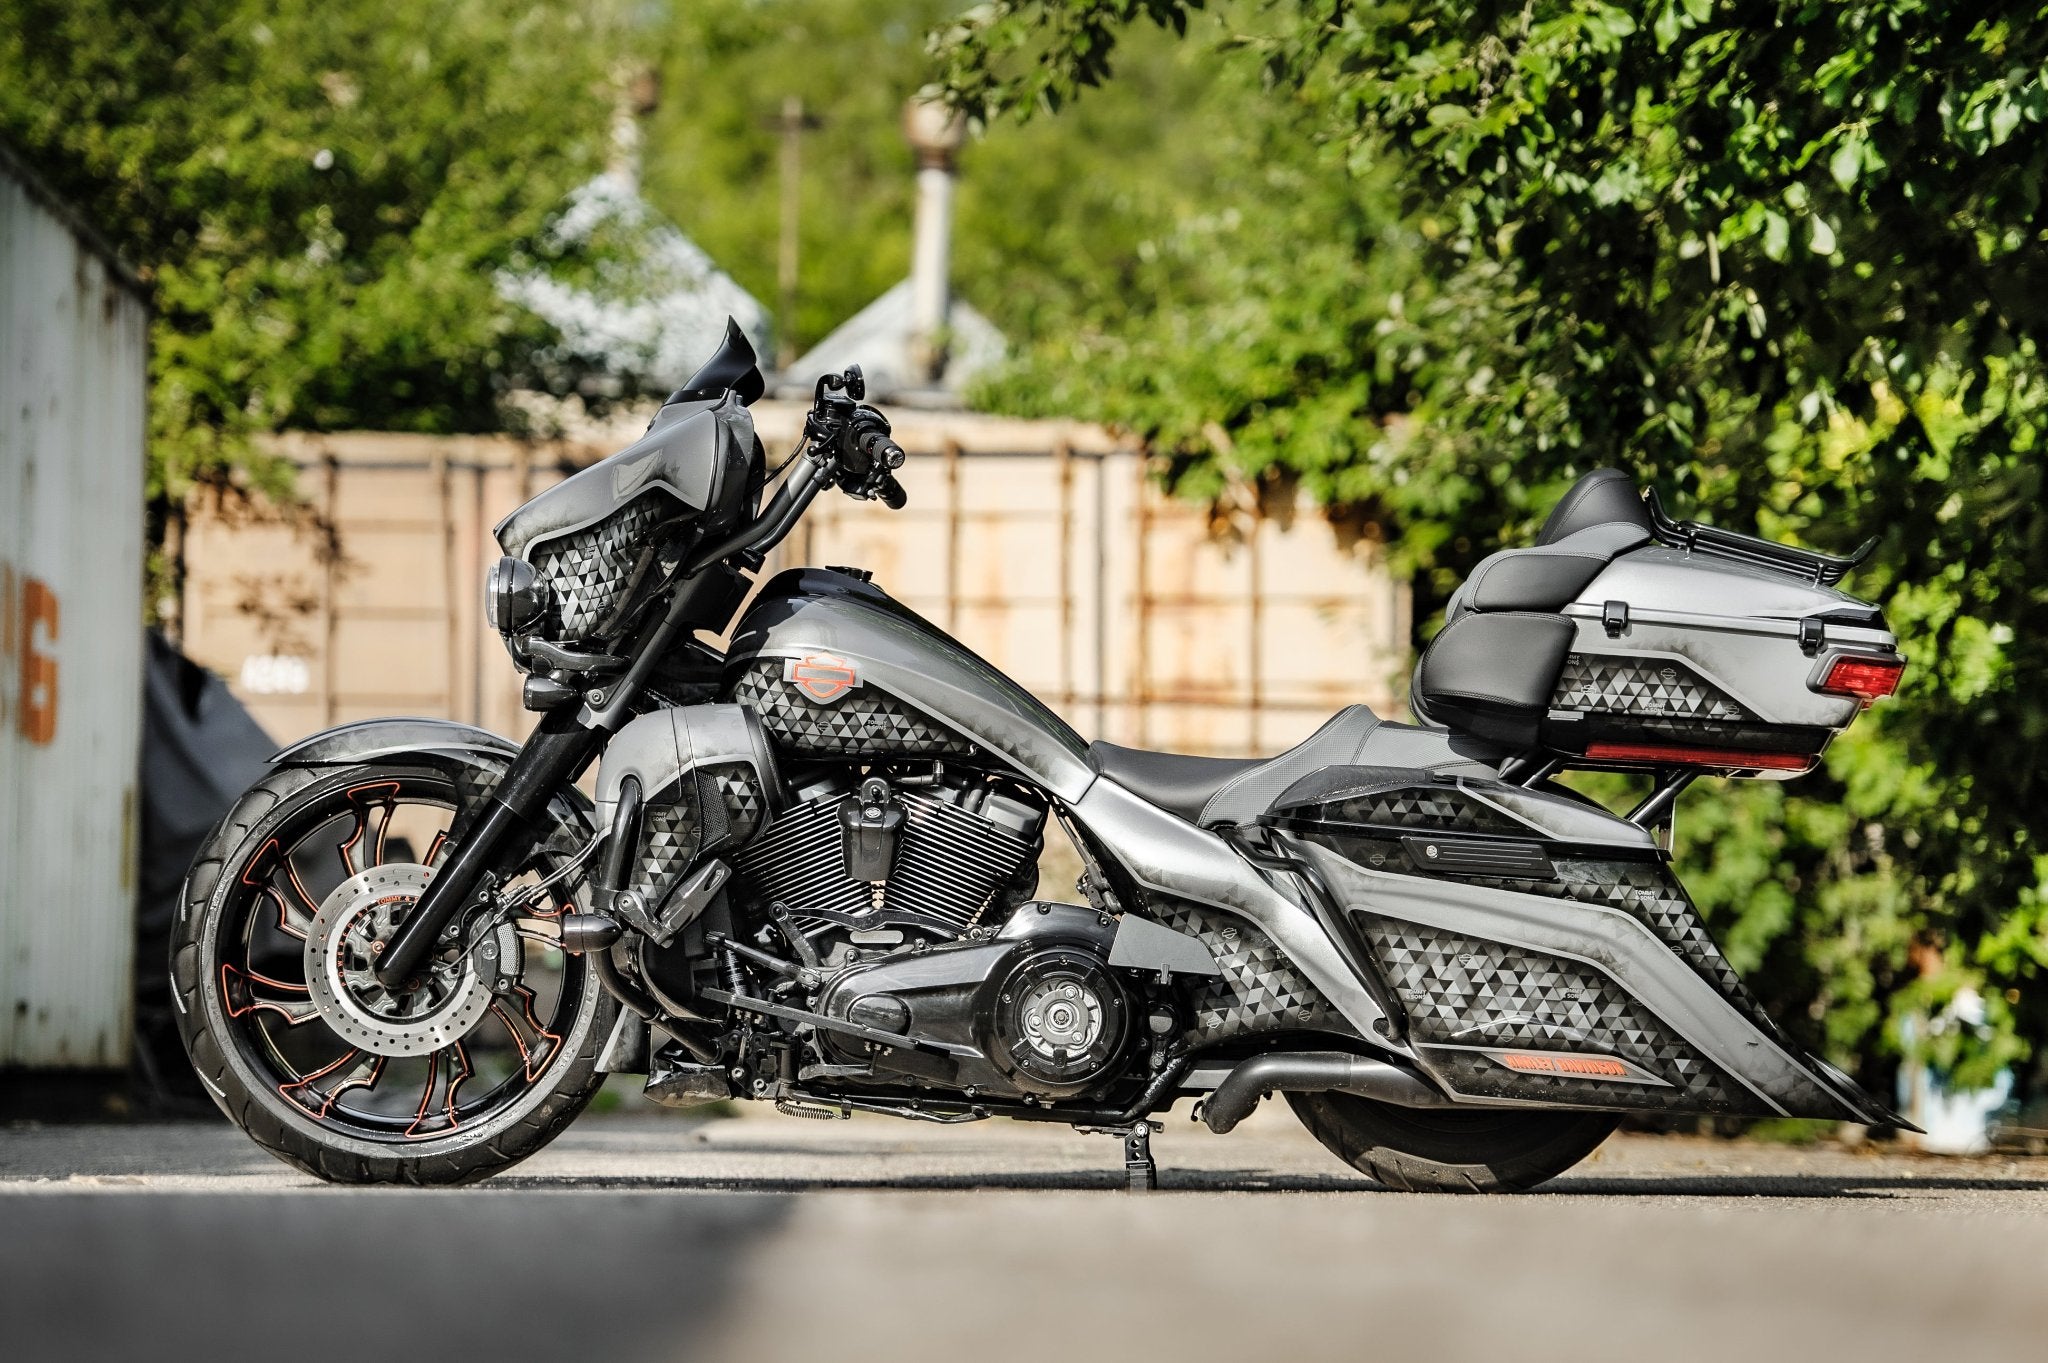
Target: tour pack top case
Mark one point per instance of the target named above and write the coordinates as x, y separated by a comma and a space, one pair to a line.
1625, 639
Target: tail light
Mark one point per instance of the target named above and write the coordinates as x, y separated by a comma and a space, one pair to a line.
1867, 679
1726, 759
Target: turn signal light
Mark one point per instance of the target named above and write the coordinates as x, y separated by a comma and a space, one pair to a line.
1727, 759
1867, 679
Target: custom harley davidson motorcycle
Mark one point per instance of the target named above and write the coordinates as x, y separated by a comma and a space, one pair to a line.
414, 950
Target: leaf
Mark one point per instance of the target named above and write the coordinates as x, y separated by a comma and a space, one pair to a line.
1847, 162
1665, 30
1777, 235
1823, 242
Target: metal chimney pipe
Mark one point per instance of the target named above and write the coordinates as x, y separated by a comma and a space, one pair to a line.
936, 134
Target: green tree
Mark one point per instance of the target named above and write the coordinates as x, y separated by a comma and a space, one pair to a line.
320, 195
1781, 259
1059, 223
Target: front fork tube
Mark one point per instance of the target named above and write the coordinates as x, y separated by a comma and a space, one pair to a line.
555, 755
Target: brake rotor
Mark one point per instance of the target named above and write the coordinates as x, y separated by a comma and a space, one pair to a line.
348, 935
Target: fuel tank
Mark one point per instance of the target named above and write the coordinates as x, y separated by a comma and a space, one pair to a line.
835, 667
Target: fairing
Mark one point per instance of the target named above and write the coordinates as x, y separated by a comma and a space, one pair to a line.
699, 453
910, 690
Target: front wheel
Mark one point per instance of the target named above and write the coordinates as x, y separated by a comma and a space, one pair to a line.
473, 1066
1451, 1150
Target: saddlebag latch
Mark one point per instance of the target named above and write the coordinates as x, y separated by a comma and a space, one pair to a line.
1614, 616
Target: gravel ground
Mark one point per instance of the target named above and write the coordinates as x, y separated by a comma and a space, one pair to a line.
766, 1237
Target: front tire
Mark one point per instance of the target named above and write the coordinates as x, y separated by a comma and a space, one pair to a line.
1450, 1150
492, 1097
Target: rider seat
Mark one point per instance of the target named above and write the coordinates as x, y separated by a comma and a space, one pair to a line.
1208, 791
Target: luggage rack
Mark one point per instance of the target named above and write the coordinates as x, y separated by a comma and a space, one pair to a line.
1806, 564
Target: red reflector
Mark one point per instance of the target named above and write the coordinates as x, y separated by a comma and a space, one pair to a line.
1699, 757
1864, 678
1594, 1066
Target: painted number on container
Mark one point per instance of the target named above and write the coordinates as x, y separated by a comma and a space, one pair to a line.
28, 669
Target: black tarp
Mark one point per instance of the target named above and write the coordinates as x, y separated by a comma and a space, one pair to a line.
200, 751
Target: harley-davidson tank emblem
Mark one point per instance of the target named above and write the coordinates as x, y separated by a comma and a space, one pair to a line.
821, 676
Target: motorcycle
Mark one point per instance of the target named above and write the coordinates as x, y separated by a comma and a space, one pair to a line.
415, 949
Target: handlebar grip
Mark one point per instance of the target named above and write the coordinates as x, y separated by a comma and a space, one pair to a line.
891, 492
881, 451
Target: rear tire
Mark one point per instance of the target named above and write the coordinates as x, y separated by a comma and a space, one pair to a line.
1440, 1150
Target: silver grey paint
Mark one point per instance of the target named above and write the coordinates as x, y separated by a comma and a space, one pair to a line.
658, 749
1766, 673
1607, 939
928, 671
1558, 816
1166, 853
371, 739
685, 449
1144, 945
1659, 579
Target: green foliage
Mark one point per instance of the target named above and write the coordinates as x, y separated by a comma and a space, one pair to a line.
320, 194
1783, 260
1054, 219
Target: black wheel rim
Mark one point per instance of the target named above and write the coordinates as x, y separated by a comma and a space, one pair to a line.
323, 839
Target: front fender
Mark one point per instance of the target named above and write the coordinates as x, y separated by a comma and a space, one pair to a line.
475, 758
369, 740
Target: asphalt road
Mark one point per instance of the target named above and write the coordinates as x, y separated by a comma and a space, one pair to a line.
767, 1238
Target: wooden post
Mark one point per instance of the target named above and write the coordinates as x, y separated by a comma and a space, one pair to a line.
329, 552
952, 457
1255, 612
1063, 459
1141, 655
444, 486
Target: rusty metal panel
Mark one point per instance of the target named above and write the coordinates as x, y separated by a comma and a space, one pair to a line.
1043, 545
74, 336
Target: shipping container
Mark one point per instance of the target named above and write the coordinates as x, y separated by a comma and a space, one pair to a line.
74, 336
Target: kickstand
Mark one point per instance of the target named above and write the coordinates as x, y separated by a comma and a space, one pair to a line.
1141, 1174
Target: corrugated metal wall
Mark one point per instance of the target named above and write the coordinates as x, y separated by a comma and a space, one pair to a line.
1044, 546
74, 335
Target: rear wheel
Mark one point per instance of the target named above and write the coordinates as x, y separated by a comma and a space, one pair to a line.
1450, 1150
472, 1067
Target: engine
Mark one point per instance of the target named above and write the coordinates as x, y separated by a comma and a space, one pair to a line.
931, 854
914, 891
1036, 1011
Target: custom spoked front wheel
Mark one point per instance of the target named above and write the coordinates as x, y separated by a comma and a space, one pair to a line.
465, 1069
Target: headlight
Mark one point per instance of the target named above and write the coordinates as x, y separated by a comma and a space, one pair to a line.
515, 597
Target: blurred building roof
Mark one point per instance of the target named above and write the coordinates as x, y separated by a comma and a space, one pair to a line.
649, 303
879, 338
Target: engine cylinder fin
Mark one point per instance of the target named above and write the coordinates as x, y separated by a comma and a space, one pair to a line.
950, 862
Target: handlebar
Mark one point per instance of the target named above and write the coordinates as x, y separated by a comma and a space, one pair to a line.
808, 476
845, 442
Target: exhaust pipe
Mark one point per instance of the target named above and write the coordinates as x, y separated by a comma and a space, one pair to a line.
1314, 1072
